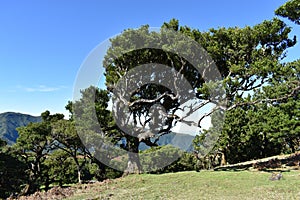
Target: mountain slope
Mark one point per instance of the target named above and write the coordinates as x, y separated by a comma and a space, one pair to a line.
182, 141
9, 121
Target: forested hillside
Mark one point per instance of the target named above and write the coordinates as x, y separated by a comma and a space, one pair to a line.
9, 121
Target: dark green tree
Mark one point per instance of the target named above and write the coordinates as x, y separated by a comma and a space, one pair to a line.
247, 58
94, 124
66, 139
12, 175
61, 168
151, 99
283, 112
290, 10
33, 146
265, 123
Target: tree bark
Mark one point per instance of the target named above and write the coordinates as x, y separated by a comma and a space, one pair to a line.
29, 188
101, 172
223, 159
79, 176
133, 165
79, 168
47, 183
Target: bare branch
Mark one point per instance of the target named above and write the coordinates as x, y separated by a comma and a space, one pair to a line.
148, 142
265, 100
207, 114
192, 110
150, 101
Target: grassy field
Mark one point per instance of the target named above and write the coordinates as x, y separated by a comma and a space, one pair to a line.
195, 185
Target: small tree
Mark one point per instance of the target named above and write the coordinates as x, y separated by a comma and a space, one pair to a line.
12, 172
94, 124
60, 168
65, 138
32, 147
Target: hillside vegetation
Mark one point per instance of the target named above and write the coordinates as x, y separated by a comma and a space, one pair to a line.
186, 185
9, 121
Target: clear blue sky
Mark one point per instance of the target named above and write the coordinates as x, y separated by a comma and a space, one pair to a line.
44, 42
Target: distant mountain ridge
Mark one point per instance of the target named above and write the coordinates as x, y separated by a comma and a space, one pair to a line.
9, 121
179, 140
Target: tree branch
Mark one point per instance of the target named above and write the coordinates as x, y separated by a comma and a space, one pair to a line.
265, 100
151, 101
208, 114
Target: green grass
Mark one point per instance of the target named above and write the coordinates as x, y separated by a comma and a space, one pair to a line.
196, 185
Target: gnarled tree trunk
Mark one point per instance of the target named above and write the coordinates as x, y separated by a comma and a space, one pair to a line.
133, 165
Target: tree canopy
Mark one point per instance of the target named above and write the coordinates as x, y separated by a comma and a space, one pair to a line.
248, 60
290, 10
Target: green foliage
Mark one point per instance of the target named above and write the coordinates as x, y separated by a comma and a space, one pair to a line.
12, 172
187, 162
60, 168
65, 138
91, 116
247, 56
248, 59
257, 131
260, 92
32, 147
95, 124
153, 158
128, 51
290, 10
2, 144
51, 118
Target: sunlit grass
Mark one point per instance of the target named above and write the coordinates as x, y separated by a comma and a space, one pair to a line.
196, 185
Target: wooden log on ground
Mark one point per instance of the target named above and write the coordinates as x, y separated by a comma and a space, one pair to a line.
260, 164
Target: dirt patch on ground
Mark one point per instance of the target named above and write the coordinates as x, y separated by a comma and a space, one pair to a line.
57, 193
53, 193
